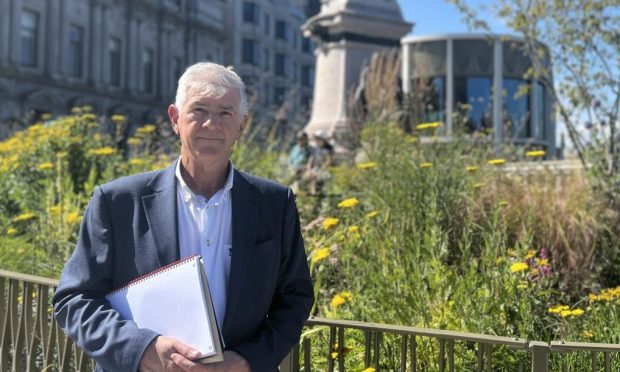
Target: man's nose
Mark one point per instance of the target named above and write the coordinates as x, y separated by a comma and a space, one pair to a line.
211, 120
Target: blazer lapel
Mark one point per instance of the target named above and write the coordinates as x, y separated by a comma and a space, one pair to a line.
244, 197
160, 208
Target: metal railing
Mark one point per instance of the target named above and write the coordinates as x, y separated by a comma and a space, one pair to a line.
30, 340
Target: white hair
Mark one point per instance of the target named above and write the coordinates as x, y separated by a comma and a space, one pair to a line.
212, 79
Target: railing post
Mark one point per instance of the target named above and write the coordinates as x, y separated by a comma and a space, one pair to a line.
290, 363
540, 356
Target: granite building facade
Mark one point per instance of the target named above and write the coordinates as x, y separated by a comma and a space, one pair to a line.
126, 56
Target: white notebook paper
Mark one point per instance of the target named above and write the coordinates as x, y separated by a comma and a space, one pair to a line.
174, 301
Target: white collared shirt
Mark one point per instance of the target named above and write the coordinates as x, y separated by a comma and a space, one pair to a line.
205, 229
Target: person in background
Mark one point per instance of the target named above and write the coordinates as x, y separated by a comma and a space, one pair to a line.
246, 229
321, 159
298, 160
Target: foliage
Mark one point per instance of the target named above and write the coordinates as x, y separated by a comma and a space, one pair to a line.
423, 232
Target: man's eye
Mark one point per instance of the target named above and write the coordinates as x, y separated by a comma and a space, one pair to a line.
226, 114
198, 109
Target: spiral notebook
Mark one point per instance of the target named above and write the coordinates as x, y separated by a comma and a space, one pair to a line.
174, 301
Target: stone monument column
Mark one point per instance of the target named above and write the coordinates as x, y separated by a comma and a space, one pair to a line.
347, 33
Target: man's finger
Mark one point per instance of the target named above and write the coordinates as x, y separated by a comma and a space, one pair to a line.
182, 362
186, 351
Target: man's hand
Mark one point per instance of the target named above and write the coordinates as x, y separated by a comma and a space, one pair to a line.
232, 362
157, 356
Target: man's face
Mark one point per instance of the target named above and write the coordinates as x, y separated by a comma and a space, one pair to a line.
208, 125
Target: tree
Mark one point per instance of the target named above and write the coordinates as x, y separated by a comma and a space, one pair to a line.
583, 37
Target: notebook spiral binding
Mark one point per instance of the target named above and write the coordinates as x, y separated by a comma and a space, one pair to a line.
153, 273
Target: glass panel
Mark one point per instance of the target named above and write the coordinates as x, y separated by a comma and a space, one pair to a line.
516, 109
428, 59
539, 111
473, 96
281, 68
250, 12
473, 57
281, 30
516, 62
429, 102
29, 33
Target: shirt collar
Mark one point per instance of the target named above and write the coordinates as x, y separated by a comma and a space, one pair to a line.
187, 194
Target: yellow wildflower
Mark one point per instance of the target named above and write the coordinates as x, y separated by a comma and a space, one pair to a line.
348, 203
11, 231
522, 285
46, 166
46, 116
76, 110
330, 222
499, 260
471, 168
73, 217
586, 334
497, 161
133, 141
54, 209
426, 165
61, 154
341, 298
353, 229
103, 151
530, 254
118, 118
502, 203
136, 161
368, 165
431, 125
543, 261
557, 309
148, 128
320, 254
565, 313
478, 185
577, 312
372, 214
24, 217
518, 267
369, 369
87, 108
88, 117
535, 154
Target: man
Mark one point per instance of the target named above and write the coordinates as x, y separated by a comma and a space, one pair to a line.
298, 159
246, 228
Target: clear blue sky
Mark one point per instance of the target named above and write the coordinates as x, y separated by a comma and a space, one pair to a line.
439, 17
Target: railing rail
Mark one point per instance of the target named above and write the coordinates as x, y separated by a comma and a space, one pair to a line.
30, 340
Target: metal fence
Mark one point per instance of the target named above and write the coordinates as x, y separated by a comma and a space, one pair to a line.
30, 340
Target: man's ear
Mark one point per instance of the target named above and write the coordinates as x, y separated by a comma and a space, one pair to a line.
173, 114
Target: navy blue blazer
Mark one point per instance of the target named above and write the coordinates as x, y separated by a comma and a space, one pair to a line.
130, 228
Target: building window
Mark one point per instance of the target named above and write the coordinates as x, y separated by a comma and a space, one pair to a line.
281, 68
147, 70
29, 35
249, 54
281, 30
266, 24
250, 12
295, 35
176, 73
473, 97
516, 107
76, 50
307, 76
306, 44
279, 94
115, 61
266, 59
